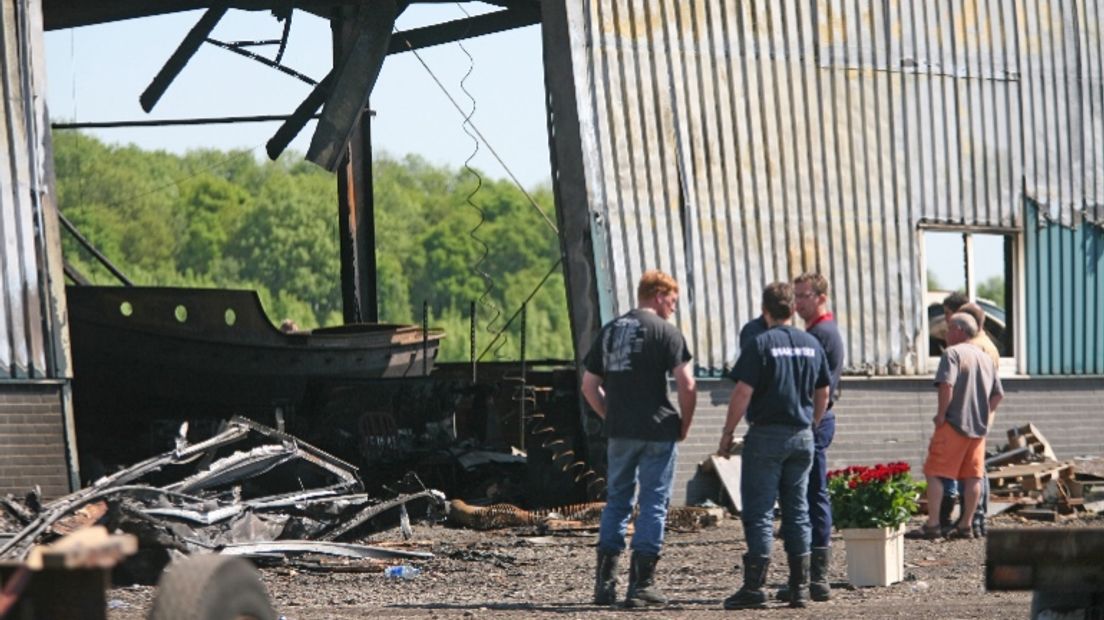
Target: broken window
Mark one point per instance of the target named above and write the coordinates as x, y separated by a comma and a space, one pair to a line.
980, 266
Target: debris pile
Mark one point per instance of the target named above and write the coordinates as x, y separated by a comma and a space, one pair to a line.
1027, 477
249, 490
573, 517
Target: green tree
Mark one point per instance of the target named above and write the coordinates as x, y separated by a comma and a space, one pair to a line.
211, 218
992, 289
210, 212
934, 284
288, 243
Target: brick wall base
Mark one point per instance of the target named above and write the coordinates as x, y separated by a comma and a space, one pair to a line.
32, 439
889, 419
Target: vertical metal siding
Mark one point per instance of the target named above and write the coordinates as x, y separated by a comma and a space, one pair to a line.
26, 348
739, 142
1065, 285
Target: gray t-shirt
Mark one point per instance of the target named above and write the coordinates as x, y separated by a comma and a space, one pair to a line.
973, 380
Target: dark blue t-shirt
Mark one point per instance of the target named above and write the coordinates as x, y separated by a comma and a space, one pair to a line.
751, 330
784, 366
827, 333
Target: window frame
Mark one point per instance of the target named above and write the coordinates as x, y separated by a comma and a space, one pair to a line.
1012, 364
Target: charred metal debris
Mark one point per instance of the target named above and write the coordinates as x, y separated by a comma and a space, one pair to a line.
249, 490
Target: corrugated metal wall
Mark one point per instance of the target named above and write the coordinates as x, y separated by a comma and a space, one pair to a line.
1065, 296
27, 341
737, 142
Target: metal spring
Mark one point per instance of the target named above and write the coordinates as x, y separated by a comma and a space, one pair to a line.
564, 457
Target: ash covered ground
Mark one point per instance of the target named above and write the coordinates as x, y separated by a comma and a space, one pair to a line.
519, 574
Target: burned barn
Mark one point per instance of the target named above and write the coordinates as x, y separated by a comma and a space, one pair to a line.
145, 359
730, 143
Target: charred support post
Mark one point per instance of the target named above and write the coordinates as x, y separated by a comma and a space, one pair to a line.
474, 328
569, 183
357, 229
360, 40
524, 385
580, 233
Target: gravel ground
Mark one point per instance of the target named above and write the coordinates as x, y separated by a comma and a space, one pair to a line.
516, 574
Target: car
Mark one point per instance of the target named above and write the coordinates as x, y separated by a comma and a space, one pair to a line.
995, 326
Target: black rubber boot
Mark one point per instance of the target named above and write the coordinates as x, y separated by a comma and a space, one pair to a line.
799, 580
751, 594
946, 507
819, 589
642, 589
605, 578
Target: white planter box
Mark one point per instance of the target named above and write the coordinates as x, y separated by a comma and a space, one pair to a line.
875, 556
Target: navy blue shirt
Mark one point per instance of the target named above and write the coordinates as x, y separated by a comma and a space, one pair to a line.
751, 330
826, 331
784, 365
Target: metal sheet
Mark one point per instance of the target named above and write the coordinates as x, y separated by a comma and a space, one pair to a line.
737, 142
27, 312
1065, 296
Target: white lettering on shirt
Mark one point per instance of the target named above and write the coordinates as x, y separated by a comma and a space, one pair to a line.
793, 352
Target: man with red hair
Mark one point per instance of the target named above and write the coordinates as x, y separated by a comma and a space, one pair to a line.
626, 383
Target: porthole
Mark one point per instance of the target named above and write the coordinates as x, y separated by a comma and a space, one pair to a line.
181, 313
126, 309
231, 316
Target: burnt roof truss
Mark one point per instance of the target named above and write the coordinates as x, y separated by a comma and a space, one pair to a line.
368, 37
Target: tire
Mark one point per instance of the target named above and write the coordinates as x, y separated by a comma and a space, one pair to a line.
211, 587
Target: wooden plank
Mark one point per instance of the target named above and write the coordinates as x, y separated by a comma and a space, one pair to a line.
1051, 558
728, 471
1039, 480
1039, 514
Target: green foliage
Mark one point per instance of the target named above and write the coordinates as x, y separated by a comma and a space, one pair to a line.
872, 497
993, 290
933, 282
218, 219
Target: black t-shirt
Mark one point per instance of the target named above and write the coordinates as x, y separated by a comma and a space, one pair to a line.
784, 366
828, 335
633, 354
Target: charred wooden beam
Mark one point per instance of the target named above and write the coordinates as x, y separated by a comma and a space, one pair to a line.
59, 14
458, 30
188, 47
298, 119
362, 50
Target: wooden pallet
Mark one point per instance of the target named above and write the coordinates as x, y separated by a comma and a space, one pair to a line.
1029, 476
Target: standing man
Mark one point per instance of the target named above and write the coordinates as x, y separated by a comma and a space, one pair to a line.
958, 302
969, 392
626, 383
782, 384
811, 301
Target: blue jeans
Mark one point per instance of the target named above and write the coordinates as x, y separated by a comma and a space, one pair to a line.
820, 506
776, 464
629, 462
951, 494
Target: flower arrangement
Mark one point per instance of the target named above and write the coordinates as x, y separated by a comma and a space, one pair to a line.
872, 497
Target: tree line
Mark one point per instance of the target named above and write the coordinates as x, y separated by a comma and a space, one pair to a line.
444, 238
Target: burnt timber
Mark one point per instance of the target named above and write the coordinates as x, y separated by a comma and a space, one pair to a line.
142, 351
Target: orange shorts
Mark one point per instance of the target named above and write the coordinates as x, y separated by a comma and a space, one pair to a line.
954, 455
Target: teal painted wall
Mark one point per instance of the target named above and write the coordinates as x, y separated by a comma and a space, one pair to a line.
1065, 296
